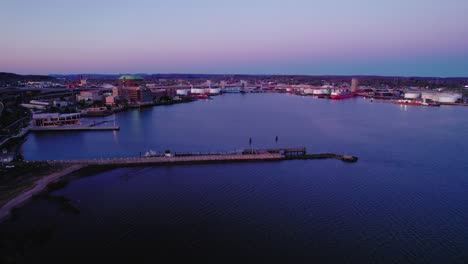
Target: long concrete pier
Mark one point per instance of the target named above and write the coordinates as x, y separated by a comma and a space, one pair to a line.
252, 155
172, 160
75, 128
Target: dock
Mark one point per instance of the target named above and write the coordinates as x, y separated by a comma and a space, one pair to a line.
75, 128
250, 155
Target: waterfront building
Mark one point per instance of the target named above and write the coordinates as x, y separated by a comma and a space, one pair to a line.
137, 94
92, 95
109, 100
60, 103
158, 93
55, 119
130, 81
131, 87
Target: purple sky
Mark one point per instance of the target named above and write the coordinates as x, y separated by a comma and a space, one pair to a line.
399, 37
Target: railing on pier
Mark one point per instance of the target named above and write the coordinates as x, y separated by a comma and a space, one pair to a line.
288, 152
191, 154
211, 157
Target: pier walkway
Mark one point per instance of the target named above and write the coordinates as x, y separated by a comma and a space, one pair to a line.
250, 155
172, 160
75, 128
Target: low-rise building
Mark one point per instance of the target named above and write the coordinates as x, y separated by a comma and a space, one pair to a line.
109, 100
89, 96
60, 103
55, 119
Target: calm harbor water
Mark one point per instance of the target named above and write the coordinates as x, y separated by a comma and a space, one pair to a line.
405, 201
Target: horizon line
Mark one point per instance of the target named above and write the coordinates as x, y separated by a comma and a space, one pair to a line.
250, 74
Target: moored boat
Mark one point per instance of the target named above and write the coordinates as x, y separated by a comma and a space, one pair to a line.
200, 96
321, 93
424, 102
340, 94
152, 153
407, 102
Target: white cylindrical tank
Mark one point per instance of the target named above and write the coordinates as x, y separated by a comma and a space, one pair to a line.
182, 92
214, 90
412, 95
309, 91
197, 90
321, 91
232, 90
431, 96
449, 98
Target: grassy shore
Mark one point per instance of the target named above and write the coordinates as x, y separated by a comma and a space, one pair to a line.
22, 177
26, 180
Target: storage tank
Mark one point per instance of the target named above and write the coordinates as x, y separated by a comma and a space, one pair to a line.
449, 98
431, 96
309, 91
321, 91
197, 91
214, 90
232, 90
412, 95
182, 92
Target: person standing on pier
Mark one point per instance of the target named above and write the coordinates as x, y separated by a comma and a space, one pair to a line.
276, 139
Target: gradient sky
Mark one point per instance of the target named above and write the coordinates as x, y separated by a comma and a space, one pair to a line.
335, 37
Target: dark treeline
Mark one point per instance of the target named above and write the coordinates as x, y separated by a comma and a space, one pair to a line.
375, 81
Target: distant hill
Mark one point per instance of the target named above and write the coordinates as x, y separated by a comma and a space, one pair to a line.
12, 78
366, 80
86, 76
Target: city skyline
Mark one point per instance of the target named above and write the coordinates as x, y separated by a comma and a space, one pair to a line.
391, 38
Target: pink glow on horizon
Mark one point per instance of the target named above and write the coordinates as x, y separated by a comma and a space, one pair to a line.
252, 36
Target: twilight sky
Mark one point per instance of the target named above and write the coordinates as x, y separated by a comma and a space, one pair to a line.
335, 37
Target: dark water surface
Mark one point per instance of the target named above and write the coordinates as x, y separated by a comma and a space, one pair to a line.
405, 201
